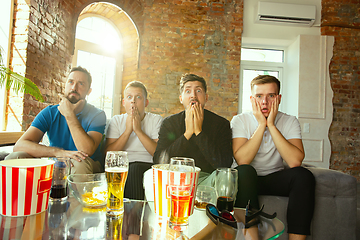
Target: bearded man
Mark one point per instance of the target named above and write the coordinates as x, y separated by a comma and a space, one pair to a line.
74, 128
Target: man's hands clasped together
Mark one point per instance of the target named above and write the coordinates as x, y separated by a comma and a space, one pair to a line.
133, 121
194, 117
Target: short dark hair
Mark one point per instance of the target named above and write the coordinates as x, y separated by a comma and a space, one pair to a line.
137, 84
84, 70
189, 77
262, 79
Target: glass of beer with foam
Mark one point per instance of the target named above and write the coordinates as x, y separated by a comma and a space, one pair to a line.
181, 181
116, 169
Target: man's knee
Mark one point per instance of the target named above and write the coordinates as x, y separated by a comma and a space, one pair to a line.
18, 155
303, 176
246, 172
83, 167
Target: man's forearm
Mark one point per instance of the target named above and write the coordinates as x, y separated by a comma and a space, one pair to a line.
147, 142
82, 140
119, 143
36, 149
291, 154
246, 153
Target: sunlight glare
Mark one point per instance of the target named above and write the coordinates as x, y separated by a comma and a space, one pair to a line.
98, 31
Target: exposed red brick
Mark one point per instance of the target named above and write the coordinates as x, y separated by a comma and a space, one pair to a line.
339, 20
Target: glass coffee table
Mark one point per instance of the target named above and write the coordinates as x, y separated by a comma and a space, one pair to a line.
69, 220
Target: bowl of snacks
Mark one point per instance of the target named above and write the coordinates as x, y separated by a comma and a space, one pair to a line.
205, 195
89, 189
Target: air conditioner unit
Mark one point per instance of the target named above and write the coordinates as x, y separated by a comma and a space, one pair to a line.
283, 13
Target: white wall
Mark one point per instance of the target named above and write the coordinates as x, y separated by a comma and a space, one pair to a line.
315, 97
306, 93
290, 92
277, 35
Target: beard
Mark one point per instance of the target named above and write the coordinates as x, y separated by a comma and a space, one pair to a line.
73, 98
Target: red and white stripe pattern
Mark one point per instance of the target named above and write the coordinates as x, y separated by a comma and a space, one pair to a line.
24, 191
29, 227
162, 192
11, 228
180, 178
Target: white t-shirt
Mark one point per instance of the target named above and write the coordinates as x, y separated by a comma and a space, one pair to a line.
267, 159
136, 151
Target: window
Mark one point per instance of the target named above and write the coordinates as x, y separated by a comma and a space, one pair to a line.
5, 20
98, 48
254, 62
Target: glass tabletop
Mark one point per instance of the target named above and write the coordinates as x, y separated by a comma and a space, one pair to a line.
70, 220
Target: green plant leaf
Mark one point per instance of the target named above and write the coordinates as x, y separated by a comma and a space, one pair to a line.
17, 82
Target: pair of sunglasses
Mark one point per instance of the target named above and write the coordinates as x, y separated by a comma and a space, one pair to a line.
224, 216
252, 215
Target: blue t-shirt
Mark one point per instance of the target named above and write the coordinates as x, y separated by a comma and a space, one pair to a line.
52, 122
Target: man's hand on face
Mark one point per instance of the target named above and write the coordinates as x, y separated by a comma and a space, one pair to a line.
270, 120
66, 108
136, 120
198, 117
257, 111
189, 122
273, 111
129, 123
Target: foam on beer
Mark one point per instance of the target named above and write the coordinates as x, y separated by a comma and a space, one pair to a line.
116, 169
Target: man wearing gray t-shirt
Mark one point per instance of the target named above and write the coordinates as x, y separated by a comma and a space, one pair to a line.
262, 140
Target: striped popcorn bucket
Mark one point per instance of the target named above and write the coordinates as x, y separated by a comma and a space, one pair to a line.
11, 228
27, 227
162, 191
25, 186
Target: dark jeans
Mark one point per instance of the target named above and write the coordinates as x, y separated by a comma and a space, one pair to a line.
134, 188
297, 183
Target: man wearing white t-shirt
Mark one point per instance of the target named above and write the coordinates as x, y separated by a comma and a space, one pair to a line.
135, 132
262, 140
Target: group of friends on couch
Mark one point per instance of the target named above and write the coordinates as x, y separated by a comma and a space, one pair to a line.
259, 141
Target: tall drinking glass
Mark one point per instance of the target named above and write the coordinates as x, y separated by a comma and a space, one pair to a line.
116, 169
181, 181
114, 227
226, 186
61, 171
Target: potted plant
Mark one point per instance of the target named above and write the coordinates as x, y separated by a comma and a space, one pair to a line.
17, 82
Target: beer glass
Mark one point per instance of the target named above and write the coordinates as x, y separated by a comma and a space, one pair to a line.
226, 186
114, 227
116, 169
181, 181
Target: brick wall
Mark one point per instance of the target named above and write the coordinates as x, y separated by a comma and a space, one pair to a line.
48, 50
47, 45
201, 37
341, 19
176, 37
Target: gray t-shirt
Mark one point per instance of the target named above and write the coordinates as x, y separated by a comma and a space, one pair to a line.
136, 151
267, 159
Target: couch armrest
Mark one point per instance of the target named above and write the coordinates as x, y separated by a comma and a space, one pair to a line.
335, 205
333, 183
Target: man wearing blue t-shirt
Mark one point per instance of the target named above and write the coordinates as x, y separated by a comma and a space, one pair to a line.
74, 128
